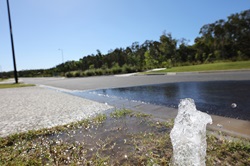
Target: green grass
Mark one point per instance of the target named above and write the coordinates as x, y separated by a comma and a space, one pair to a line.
208, 67
123, 138
120, 113
3, 86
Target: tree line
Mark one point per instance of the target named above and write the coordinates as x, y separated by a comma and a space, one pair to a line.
219, 41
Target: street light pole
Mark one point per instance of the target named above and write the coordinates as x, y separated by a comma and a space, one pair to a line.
12, 43
62, 54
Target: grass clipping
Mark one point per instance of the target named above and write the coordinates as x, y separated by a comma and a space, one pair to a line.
123, 138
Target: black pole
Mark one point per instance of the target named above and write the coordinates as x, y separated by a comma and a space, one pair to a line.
12, 44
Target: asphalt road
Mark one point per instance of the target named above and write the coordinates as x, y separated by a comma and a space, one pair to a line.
104, 82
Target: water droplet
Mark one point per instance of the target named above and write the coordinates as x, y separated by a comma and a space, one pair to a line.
219, 125
233, 105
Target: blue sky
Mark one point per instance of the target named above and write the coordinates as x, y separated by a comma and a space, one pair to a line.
80, 27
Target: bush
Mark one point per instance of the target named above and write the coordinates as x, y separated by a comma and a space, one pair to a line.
89, 73
91, 67
129, 69
108, 71
74, 74
69, 74
83, 74
116, 70
241, 56
99, 72
167, 64
77, 74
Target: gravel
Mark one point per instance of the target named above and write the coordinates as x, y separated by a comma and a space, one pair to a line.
32, 108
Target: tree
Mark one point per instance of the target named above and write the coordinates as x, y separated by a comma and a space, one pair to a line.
149, 60
168, 47
185, 52
226, 39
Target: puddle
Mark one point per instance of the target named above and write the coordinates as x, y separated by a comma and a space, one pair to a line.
223, 98
129, 140
111, 138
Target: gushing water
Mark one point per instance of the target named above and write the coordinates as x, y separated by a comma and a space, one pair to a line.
188, 135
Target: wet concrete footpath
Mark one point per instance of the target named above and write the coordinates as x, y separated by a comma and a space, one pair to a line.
29, 108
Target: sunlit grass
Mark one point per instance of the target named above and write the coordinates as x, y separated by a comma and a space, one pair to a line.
208, 67
3, 86
2, 79
120, 113
123, 138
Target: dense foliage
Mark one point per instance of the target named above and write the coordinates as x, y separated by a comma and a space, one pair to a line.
219, 41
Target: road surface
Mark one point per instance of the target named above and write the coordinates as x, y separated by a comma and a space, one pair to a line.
104, 82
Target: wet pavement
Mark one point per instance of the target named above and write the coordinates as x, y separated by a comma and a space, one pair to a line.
106, 82
223, 98
230, 126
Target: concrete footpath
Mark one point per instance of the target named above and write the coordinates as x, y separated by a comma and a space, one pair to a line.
23, 109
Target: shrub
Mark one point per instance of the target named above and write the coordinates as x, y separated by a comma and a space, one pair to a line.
108, 71
69, 74
116, 70
99, 72
90, 73
128, 69
167, 64
91, 67
77, 74
83, 74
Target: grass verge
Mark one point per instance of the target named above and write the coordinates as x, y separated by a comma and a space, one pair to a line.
207, 67
123, 138
3, 86
2, 79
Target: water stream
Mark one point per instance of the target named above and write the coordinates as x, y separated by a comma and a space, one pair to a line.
224, 98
